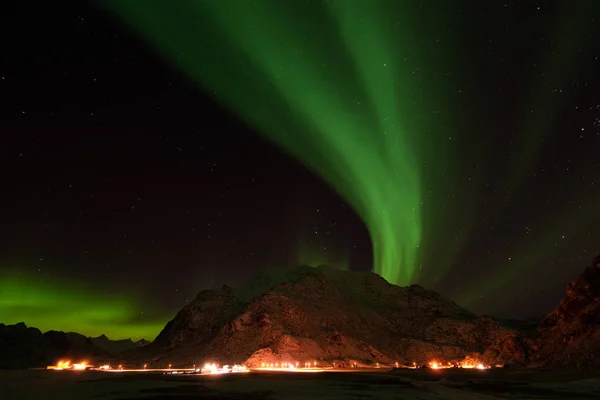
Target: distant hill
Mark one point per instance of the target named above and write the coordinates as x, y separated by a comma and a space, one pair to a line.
25, 347
117, 346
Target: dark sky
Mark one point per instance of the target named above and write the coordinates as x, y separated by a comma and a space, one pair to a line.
121, 175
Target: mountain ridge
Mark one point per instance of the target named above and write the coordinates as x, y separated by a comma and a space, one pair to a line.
329, 315
335, 317
27, 347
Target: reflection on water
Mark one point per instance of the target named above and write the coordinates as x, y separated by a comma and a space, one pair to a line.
407, 384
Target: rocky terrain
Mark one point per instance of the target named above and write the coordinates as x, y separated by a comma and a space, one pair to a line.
570, 334
329, 316
26, 347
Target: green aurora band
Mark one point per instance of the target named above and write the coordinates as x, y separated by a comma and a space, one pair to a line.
328, 92
51, 305
375, 97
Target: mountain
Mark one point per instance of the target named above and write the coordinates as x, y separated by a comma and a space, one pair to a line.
117, 346
330, 316
23, 347
570, 334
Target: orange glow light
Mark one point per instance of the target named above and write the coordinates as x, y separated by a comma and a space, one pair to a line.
466, 364
80, 366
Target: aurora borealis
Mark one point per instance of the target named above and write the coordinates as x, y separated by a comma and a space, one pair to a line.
60, 306
161, 148
330, 94
340, 94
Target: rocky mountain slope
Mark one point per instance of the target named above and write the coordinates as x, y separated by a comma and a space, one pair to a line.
570, 334
330, 316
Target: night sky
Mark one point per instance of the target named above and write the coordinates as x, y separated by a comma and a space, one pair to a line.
150, 150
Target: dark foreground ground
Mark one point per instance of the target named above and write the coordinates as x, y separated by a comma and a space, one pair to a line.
406, 384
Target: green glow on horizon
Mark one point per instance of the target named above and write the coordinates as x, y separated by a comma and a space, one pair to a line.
49, 305
355, 120
316, 255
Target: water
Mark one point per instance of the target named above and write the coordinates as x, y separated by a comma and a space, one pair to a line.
407, 385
